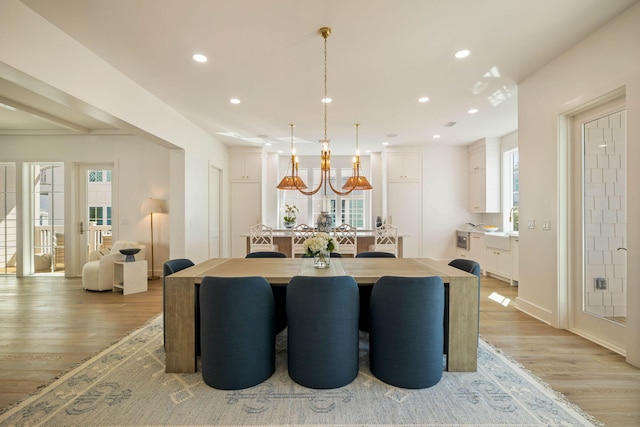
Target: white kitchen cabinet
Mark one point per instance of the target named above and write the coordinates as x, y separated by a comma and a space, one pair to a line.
246, 202
498, 256
245, 167
477, 159
403, 167
404, 210
477, 248
484, 176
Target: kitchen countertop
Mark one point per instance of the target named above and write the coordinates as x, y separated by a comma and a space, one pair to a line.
500, 233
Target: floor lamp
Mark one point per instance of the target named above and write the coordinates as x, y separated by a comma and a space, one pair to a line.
151, 206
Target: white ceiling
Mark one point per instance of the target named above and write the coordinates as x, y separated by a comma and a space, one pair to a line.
382, 56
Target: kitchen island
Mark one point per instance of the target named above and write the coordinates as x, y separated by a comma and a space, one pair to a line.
282, 238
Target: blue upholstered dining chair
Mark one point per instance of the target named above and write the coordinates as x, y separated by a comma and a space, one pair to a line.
266, 254
279, 291
322, 335
375, 254
236, 331
406, 334
170, 267
469, 266
365, 291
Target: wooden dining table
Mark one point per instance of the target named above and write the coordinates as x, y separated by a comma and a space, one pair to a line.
180, 335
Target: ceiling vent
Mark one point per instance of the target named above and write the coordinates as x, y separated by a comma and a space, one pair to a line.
450, 124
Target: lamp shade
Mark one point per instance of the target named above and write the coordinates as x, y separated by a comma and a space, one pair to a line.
360, 183
151, 206
291, 183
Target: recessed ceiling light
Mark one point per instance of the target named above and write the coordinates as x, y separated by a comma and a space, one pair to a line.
7, 107
234, 101
472, 111
198, 57
385, 143
436, 136
423, 99
462, 53
327, 100
268, 144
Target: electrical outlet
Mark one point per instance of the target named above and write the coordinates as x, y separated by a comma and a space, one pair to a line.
601, 283
531, 224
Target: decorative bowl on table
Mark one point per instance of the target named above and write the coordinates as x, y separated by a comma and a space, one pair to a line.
129, 252
490, 228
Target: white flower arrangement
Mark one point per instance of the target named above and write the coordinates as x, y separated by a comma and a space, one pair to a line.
318, 243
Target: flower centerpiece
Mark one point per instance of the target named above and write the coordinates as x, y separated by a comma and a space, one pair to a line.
290, 215
320, 246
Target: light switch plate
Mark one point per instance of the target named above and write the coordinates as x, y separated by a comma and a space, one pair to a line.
546, 225
531, 224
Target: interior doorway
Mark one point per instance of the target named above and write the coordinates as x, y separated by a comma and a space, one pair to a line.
8, 219
95, 209
47, 217
214, 212
598, 291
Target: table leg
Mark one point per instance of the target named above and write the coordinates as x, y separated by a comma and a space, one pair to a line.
463, 324
180, 325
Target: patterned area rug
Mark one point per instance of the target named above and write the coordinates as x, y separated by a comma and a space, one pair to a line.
127, 385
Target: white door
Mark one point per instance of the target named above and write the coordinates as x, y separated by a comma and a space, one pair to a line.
214, 212
94, 210
598, 296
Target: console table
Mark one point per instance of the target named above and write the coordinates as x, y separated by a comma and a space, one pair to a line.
180, 296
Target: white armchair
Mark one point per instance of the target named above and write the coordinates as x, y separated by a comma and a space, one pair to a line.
97, 274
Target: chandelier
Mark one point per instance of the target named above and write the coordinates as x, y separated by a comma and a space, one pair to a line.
294, 182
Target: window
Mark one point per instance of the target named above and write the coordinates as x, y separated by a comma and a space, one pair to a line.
350, 209
511, 187
100, 176
97, 215
95, 176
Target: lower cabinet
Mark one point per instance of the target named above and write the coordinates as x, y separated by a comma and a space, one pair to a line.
498, 261
477, 249
498, 256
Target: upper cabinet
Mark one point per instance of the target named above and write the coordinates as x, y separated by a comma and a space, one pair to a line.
403, 167
245, 167
484, 176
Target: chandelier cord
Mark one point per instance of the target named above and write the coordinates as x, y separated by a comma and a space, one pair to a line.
325, 34
325, 169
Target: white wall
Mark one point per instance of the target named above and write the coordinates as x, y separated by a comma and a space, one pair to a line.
37, 55
445, 199
606, 60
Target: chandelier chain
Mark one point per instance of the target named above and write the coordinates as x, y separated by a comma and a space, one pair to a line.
355, 182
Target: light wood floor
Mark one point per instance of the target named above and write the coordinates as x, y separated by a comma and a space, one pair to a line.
49, 325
